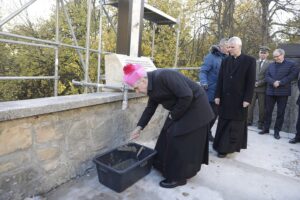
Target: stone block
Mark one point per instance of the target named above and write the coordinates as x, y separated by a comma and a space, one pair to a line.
47, 153
14, 161
46, 133
52, 165
15, 138
6, 167
78, 140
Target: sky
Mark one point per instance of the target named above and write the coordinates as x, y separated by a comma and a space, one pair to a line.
40, 9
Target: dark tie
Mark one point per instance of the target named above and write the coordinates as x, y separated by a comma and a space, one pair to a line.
260, 64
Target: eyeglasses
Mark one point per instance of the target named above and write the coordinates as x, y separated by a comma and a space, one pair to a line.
277, 56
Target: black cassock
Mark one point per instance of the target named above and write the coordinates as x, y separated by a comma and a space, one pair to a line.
235, 85
182, 145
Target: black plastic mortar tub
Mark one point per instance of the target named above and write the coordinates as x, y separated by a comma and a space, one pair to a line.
123, 166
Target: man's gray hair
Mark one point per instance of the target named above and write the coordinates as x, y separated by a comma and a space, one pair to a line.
223, 42
279, 51
235, 40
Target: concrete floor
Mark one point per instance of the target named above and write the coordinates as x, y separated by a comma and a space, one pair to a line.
268, 170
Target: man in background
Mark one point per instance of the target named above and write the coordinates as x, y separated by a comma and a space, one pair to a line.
278, 77
208, 76
296, 139
260, 87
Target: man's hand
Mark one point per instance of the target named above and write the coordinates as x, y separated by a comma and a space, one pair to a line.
205, 87
276, 84
245, 104
217, 101
256, 84
135, 133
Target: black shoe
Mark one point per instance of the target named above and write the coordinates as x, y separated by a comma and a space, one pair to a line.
263, 132
294, 140
210, 137
171, 184
222, 155
276, 135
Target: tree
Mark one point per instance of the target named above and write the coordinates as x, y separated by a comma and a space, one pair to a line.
275, 8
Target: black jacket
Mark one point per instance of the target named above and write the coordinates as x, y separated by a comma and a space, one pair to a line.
185, 99
235, 84
284, 72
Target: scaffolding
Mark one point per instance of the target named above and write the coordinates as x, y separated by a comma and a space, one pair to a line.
150, 13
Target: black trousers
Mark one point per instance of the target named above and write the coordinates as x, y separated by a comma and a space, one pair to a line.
298, 123
281, 102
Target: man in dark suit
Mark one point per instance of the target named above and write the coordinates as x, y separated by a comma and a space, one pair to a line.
182, 145
260, 87
233, 95
296, 139
278, 77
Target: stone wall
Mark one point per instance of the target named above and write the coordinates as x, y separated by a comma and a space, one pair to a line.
40, 152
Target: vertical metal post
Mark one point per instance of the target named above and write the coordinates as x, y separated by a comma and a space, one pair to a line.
56, 49
87, 43
153, 40
8, 18
178, 33
99, 46
177, 41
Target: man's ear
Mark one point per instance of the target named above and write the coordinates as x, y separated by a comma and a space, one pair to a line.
143, 80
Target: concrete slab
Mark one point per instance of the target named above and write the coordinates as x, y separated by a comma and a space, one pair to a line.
268, 170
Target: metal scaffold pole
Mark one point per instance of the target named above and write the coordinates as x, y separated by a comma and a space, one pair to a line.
178, 35
177, 42
153, 41
99, 46
87, 43
56, 49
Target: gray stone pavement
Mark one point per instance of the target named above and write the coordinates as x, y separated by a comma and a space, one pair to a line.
268, 170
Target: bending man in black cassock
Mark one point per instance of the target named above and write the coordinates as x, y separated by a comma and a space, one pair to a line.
182, 145
233, 95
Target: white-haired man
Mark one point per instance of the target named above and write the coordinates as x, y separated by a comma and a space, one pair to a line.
233, 95
278, 77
